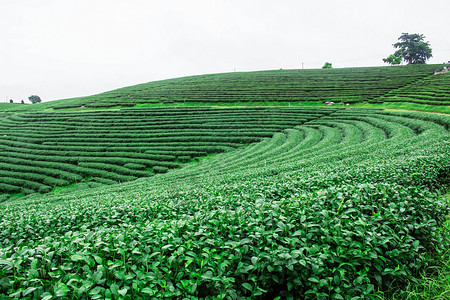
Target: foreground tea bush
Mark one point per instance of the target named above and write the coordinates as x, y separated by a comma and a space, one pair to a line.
335, 242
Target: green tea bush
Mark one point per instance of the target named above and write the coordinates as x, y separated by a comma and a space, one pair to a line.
4, 197
341, 241
184, 158
9, 188
134, 166
160, 169
94, 184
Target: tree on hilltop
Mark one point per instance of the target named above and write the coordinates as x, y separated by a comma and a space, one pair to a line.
34, 99
411, 48
327, 65
393, 60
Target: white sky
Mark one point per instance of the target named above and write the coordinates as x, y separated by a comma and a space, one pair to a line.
67, 48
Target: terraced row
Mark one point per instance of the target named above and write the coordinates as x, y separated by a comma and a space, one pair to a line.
433, 90
44, 150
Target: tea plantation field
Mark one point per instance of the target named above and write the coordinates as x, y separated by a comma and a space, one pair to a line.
45, 150
241, 185
320, 203
280, 87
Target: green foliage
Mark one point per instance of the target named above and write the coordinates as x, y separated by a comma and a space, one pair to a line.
159, 169
393, 59
327, 65
135, 166
34, 99
413, 49
184, 158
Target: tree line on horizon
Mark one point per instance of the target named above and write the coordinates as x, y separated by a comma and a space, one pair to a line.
33, 99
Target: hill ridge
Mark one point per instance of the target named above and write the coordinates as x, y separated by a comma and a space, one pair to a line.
269, 87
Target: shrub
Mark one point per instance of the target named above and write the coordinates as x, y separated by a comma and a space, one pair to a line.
160, 169
184, 159
134, 166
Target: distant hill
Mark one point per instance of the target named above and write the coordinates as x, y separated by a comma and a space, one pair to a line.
346, 85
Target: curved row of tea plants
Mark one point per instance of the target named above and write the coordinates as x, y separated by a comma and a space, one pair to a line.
44, 150
319, 139
345, 206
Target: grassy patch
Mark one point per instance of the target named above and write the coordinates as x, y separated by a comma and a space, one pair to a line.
8, 106
64, 189
235, 104
405, 106
400, 106
16, 196
197, 160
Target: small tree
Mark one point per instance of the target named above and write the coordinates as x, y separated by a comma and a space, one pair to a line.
23, 102
412, 49
11, 101
393, 60
34, 99
327, 65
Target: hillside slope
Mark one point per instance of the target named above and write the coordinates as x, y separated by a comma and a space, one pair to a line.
343, 205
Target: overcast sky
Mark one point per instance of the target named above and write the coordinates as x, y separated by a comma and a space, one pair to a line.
67, 48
